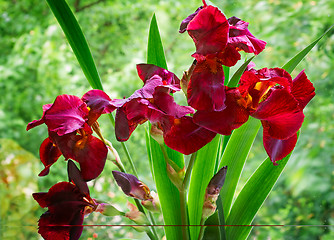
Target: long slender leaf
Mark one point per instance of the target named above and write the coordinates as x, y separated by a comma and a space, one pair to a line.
251, 198
76, 39
202, 172
236, 76
234, 158
155, 52
292, 64
168, 193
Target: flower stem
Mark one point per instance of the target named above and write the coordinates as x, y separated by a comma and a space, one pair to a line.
186, 180
201, 233
184, 214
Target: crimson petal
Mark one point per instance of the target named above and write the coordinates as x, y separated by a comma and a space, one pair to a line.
36, 123
280, 114
206, 87
99, 103
89, 151
75, 176
278, 149
128, 117
209, 30
67, 114
185, 22
302, 89
165, 102
223, 122
65, 207
184, 136
49, 154
241, 38
147, 71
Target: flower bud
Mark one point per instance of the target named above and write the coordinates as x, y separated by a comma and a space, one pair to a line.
157, 134
175, 176
131, 186
138, 217
212, 192
153, 204
108, 210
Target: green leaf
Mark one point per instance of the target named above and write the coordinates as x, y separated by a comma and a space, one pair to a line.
76, 39
292, 64
168, 194
251, 198
202, 172
236, 76
155, 51
234, 158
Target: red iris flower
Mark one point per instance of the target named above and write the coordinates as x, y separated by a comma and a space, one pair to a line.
217, 41
271, 96
67, 204
70, 121
153, 102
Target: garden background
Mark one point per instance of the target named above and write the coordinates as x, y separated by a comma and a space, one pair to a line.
37, 64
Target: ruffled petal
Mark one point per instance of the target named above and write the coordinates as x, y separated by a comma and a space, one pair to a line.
280, 114
223, 122
147, 71
40, 121
185, 22
128, 117
209, 30
206, 89
241, 38
99, 103
278, 149
302, 89
67, 114
166, 103
49, 154
184, 136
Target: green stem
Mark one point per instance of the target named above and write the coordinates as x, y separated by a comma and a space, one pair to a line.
168, 161
186, 180
221, 217
153, 223
128, 156
150, 235
184, 215
201, 233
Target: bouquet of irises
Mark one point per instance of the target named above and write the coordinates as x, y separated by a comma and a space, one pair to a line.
196, 152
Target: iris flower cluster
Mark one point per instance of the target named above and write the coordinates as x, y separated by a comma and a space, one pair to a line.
268, 94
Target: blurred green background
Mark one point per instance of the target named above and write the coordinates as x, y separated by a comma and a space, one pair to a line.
37, 64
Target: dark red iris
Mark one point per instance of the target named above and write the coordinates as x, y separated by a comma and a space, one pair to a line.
67, 203
153, 102
70, 121
217, 42
271, 96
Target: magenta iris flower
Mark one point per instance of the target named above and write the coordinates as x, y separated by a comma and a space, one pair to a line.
218, 41
67, 204
153, 102
271, 96
70, 121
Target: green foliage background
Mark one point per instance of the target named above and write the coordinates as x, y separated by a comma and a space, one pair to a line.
37, 64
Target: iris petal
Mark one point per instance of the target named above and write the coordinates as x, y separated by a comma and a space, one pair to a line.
280, 114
